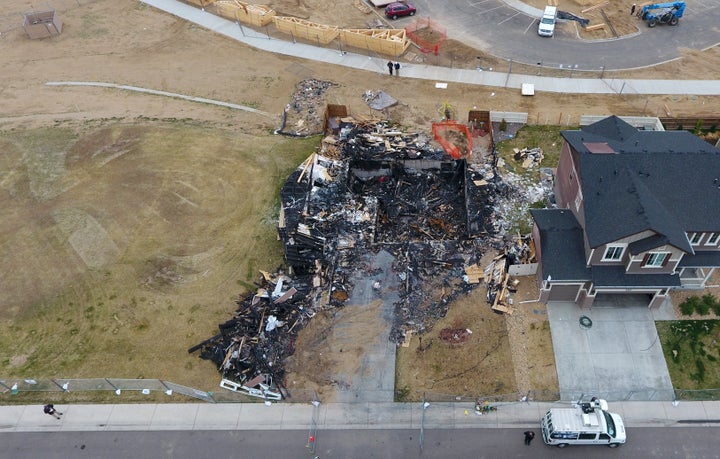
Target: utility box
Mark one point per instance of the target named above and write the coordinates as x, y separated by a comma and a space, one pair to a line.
42, 24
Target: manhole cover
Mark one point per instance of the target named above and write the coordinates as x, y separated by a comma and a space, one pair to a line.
585, 322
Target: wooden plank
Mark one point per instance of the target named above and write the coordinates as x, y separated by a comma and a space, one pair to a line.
408, 335
595, 27
308, 161
599, 5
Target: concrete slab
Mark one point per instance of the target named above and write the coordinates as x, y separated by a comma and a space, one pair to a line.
640, 414
337, 415
259, 416
131, 417
641, 336
374, 380
390, 415
618, 358
174, 416
219, 415
569, 338
712, 410
665, 311
86, 417
297, 416
12, 414
683, 412
603, 337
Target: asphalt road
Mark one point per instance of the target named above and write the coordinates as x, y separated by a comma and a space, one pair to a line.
496, 28
673, 442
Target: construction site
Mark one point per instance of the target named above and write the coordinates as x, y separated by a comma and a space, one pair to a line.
380, 216
392, 226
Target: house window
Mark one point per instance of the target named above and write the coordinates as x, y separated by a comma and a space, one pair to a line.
713, 239
613, 253
695, 238
656, 259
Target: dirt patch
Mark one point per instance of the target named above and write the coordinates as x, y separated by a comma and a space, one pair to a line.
328, 356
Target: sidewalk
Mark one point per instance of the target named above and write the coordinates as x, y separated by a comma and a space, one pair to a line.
287, 416
258, 40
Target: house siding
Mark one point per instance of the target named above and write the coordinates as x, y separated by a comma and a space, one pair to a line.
567, 189
597, 256
635, 265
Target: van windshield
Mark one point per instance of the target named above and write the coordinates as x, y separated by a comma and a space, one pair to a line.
547, 20
610, 424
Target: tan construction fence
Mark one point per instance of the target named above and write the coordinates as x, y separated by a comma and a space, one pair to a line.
254, 15
389, 42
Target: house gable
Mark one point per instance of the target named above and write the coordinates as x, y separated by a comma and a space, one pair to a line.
666, 182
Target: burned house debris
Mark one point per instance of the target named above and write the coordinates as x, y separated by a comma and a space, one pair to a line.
303, 116
382, 188
372, 186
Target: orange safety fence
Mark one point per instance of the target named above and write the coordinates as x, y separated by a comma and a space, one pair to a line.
454, 137
427, 34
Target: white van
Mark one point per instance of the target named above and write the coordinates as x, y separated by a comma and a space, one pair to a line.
547, 23
587, 423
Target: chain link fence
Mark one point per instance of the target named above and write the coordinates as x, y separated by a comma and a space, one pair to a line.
9, 387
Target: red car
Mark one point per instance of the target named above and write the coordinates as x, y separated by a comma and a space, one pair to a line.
397, 9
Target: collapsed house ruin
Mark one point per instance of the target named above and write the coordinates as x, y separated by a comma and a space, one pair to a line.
372, 186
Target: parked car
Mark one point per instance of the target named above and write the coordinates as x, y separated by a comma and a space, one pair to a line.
397, 9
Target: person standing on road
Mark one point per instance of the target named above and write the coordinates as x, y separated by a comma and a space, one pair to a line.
397, 68
529, 435
632, 9
50, 409
390, 67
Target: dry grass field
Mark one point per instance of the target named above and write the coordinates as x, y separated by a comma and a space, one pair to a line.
126, 243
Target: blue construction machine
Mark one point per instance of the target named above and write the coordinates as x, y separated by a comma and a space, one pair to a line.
662, 13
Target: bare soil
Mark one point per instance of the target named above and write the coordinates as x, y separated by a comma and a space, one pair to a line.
130, 222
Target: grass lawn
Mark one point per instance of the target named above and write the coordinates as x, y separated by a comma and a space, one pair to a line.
124, 244
547, 138
692, 352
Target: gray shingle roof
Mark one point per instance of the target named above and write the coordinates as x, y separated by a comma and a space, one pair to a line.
616, 276
664, 181
561, 242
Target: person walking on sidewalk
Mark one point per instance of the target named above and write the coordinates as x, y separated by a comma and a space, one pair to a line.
390, 67
50, 409
529, 435
397, 68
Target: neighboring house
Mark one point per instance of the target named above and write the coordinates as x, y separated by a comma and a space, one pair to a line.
638, 212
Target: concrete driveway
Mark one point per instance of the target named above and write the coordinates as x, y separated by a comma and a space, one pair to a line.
619, 357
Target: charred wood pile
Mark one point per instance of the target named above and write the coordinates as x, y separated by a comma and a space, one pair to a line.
251, 347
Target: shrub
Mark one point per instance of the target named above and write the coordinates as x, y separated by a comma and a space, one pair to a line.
698, 127
687, 307
503, 125
700, 375
710, 302
711, 358
702, 307
716, 308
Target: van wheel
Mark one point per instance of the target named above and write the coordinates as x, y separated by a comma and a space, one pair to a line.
562, 445
613, 445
